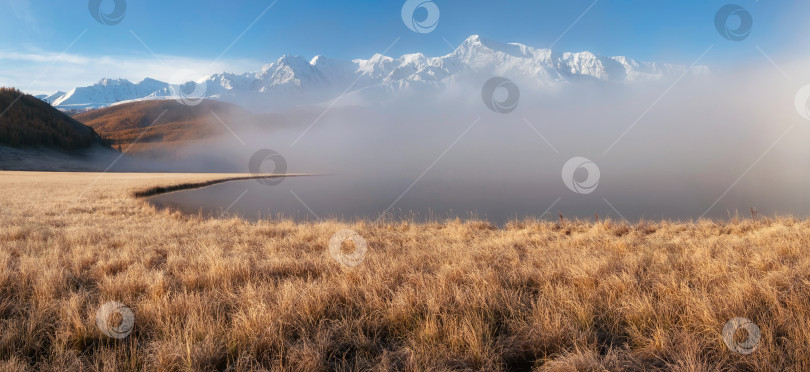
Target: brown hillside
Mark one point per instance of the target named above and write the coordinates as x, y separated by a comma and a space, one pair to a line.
26, 121
139, 126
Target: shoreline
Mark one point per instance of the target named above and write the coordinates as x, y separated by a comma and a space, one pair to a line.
160, 190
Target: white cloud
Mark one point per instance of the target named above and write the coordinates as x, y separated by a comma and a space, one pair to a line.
46, 72
43, 57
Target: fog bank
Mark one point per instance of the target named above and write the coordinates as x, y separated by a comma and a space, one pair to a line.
703, 145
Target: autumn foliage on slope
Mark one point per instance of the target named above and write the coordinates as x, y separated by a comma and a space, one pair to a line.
29, 122
135, 125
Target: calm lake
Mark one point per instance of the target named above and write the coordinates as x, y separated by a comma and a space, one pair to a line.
348, 198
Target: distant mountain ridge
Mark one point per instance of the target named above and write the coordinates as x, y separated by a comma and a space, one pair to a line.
293, 80
107, 92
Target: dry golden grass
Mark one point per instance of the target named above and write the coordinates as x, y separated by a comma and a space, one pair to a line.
230, 294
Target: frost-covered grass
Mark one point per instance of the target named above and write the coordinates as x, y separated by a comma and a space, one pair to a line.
212, 294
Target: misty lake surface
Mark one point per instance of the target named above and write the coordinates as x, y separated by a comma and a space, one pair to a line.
348, 198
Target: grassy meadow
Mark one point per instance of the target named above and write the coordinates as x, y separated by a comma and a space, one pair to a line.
229, 294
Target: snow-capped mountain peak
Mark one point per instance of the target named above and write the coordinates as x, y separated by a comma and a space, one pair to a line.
111, 82
294, 80
110, 91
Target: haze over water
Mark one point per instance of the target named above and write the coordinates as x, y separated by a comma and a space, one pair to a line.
712, 146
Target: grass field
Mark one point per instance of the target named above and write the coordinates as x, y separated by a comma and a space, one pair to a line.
229, 294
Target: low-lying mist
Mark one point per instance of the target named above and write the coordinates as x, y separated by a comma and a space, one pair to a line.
705, 145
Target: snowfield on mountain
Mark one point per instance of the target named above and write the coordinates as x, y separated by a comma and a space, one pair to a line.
295, 81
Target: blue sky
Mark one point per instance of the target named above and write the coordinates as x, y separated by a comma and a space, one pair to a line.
194, 33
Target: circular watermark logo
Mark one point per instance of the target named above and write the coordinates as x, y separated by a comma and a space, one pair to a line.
803, 102
749, 345
188, 87
501, 95
733, 22
425, 25
113, 17
569, 176
360, 248
256, 166
115, 320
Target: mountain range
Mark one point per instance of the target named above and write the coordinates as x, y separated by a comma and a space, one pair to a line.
294, 80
